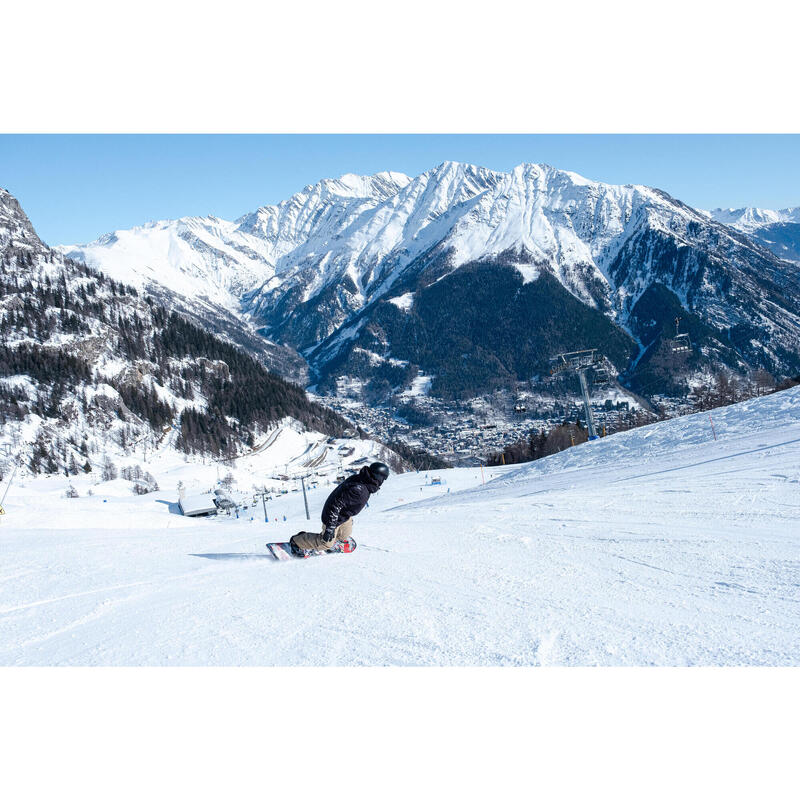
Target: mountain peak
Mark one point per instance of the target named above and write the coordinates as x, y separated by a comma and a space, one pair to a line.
454, 168
15, 227
381, 185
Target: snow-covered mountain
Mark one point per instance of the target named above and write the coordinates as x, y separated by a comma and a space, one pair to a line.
16, 230
750, 219
779, 231
204, 265
218, 260
195, 256
329, 259
92, 369
198, 266
609, 247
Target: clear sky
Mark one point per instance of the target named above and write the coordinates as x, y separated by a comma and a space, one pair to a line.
77, 187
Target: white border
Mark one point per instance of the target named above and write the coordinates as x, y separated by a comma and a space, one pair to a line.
412, 67
407, 733
417, 66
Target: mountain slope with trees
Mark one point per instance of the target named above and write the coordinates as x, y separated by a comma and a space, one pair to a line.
90, 367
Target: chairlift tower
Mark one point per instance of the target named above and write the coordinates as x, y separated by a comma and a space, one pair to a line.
580, 361
263, 493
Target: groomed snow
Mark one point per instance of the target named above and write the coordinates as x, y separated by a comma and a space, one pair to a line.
655, 546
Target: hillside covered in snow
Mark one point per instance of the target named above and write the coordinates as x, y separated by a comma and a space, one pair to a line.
658, 546
93, 370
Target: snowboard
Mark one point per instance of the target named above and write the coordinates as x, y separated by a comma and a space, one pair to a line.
282, 551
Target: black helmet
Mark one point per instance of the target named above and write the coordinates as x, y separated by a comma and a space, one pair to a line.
379, 471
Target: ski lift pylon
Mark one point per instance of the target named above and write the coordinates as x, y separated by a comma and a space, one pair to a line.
573, 361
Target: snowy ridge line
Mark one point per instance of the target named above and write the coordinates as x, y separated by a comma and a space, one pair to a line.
472, 211
749, 219
305, 269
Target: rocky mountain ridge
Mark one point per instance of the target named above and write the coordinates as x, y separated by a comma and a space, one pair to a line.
342, 266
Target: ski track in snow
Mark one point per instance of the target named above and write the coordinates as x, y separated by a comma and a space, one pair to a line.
658, 546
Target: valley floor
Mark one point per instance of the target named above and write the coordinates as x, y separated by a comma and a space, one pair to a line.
657, 546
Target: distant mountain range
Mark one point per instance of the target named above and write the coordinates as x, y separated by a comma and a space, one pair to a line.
478, 277
778, 231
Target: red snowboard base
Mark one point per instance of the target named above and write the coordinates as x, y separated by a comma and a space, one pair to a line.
282, 551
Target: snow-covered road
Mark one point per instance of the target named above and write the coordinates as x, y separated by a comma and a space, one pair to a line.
655, 546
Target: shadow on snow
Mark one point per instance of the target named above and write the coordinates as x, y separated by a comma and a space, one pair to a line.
174, 508
233, 555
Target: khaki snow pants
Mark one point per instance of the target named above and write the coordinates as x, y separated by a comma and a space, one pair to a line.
314, 541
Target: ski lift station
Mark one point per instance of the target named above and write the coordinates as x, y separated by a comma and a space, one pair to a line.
601, 376
197, 505
224, 500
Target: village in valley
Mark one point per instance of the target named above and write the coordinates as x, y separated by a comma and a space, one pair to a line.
467, 432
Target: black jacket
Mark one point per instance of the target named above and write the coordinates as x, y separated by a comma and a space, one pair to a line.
349, 497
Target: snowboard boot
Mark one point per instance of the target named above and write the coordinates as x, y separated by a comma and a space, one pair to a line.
297, 551
346, 546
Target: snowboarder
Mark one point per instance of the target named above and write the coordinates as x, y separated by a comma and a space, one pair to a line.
343, 503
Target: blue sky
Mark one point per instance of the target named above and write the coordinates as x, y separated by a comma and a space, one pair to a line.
76, 187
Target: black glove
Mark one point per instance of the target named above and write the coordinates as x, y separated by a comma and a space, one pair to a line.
329, 534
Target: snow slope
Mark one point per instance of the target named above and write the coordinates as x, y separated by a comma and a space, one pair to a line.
654, 546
